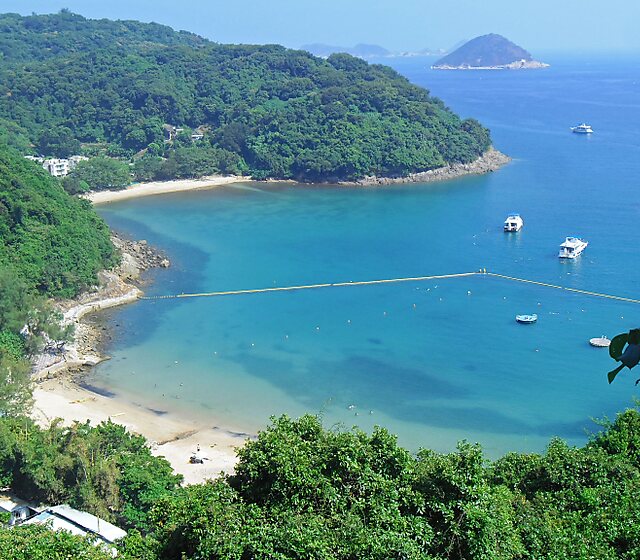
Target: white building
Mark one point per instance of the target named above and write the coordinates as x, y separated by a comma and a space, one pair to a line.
57, 167
62, 167
65, 518
19, 509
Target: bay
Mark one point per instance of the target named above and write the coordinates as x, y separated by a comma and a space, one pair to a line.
435, 362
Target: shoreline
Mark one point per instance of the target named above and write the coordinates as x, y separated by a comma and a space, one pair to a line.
138, 190
60, 391
170, 436
490, 161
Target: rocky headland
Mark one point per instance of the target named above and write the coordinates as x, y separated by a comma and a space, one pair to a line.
490, 161
115, 287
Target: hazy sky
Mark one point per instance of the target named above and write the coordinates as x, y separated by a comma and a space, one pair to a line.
537, 25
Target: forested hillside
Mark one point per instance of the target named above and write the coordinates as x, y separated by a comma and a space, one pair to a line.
51, 244
263, 110
55, 243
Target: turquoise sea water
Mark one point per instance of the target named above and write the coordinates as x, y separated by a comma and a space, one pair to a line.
435, 362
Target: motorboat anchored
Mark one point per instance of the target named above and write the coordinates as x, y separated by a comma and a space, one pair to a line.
527, 318
513, 223
600, 342
572, 247
582, 129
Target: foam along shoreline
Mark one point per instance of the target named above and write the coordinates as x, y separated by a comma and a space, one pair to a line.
162, 187
175, 438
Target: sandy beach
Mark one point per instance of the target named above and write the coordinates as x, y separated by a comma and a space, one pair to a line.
169, 436
163, 187
59, 393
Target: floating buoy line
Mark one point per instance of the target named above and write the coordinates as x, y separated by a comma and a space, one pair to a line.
481, 272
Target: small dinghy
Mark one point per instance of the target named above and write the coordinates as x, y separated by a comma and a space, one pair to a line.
600, 342
526, 318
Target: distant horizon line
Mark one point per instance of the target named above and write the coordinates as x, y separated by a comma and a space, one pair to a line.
392, 50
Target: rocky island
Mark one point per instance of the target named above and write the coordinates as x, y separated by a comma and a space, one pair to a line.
488, 52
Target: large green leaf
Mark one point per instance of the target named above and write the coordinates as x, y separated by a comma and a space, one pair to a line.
617, 344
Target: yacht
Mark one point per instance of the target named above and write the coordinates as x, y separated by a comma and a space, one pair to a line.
513, 223
572, 247
527, 319
582, 129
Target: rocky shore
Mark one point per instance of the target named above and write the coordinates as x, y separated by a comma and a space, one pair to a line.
490, 161
516, 65
115, 287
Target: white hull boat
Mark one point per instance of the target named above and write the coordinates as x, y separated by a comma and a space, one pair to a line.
572, 247
582, 129
513, 223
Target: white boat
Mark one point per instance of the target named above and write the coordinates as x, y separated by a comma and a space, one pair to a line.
582, 129
527, 318
600, 342
572, 247
513, 223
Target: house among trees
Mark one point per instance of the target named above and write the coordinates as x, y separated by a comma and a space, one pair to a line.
65, 518
18, 509
58, 167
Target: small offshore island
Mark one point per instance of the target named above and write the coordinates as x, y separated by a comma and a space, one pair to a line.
488, 52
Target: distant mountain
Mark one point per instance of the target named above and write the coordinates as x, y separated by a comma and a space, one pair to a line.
488, 52
360, 50
366, 52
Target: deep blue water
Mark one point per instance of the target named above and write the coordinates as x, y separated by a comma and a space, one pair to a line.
435, 362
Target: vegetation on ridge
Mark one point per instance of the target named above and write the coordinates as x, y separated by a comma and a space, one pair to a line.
263, 110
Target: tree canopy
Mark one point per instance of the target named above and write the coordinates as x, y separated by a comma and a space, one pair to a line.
54, 242
265, 110
301, 491
51, 244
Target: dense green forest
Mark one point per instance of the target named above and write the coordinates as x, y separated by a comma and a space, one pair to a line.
51, 244
303, 492
111, 87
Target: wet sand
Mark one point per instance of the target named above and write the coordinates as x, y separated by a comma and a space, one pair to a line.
172, 437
